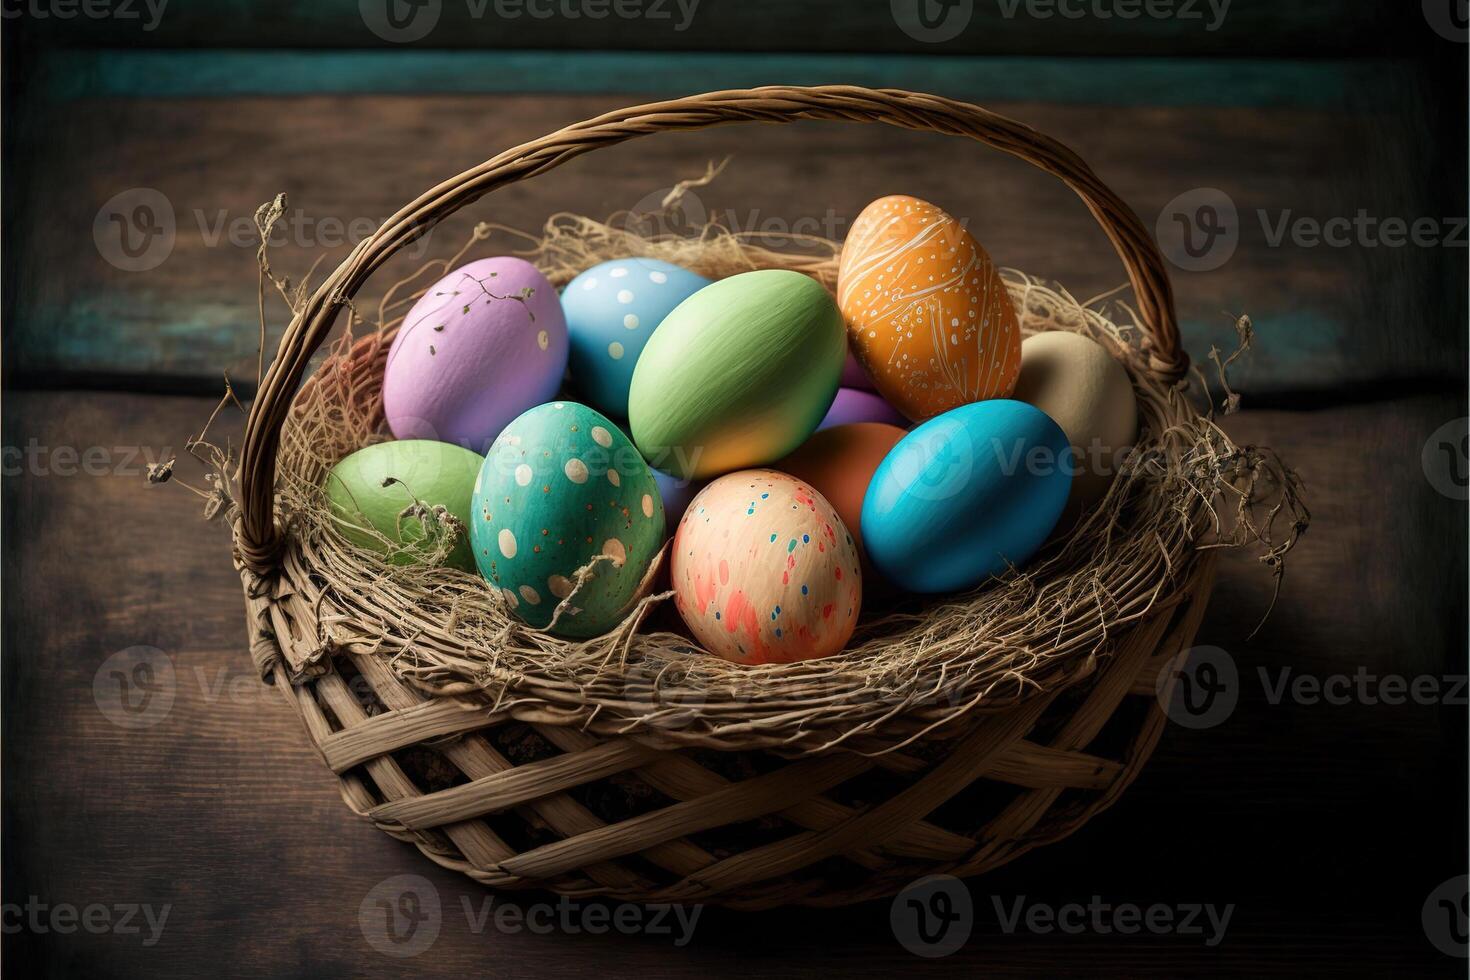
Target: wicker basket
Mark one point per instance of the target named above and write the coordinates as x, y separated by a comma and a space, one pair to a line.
533, 791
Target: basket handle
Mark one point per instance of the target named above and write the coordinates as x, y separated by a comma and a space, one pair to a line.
259, 539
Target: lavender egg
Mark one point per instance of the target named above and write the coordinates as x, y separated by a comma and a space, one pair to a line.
852, 406
853, 375
484, 344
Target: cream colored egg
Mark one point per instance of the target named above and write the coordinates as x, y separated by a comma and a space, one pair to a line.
1087, 392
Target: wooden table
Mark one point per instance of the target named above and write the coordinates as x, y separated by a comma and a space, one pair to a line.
1324, 826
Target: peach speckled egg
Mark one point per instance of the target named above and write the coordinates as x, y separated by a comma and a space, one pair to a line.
764, 571
927, 314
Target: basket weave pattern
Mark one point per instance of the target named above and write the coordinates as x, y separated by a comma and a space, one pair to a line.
514, 791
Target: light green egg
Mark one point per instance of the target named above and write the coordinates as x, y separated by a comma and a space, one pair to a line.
561, 486
738, 375
436, 474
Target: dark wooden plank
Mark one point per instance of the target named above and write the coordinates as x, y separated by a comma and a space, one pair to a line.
1079, 27
1325, 826
1327, 317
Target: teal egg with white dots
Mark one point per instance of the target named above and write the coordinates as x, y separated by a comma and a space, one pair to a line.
611, 311
561, 489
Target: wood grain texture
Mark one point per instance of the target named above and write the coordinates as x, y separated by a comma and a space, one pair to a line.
1325, 316
1247, 27
1325, 825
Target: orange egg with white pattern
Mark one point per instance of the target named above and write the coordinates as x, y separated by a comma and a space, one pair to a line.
928, 316
764, 571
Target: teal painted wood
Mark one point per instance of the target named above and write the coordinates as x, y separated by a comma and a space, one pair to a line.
1099, 81
1294, 349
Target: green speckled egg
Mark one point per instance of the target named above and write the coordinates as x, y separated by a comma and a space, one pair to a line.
561, 486
433, 473
738, 375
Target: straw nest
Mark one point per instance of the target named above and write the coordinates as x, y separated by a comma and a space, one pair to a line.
914, 668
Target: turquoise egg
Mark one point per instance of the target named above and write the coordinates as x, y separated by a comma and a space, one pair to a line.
967, 494
612, 309
560, 487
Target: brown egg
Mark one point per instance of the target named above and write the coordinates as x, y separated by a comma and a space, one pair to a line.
839, 463
927, 314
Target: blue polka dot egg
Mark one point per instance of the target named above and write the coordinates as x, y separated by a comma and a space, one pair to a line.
611, 311
562, 489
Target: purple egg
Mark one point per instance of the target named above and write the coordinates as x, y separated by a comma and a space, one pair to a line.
852, 405
853, 375
676, 494
484, 344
